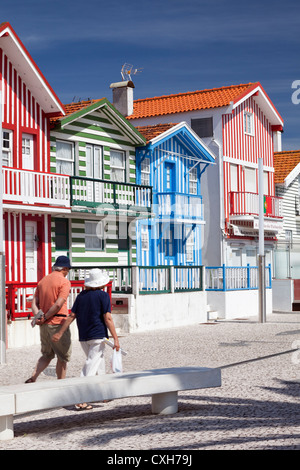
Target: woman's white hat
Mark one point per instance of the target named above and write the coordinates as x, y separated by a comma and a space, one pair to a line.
96, 278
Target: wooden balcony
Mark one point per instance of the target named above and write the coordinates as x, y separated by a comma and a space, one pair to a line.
181, 207
31, 188
104, 196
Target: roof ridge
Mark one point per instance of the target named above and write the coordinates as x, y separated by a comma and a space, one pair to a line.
286, 151
206, 90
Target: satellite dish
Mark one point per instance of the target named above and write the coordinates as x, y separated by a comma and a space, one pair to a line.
127, 70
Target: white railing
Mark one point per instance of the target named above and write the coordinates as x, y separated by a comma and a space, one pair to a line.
171, 204
33, 187
224, 278
245, 203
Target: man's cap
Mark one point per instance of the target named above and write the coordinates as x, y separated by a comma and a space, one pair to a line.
62, 262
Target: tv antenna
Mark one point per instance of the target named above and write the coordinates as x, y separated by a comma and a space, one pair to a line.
127, 70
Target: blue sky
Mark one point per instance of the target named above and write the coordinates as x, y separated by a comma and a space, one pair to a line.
180, 45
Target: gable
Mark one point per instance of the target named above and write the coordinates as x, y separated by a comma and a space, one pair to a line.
97, 119
181, 133
28, 71
286, 166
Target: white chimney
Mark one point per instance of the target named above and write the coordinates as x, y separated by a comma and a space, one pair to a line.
123, 97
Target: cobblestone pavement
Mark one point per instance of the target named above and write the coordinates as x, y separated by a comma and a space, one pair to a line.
256, 408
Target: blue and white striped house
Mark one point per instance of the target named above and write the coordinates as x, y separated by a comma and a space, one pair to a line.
172, 162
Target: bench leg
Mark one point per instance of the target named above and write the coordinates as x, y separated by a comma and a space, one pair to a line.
165, 403
6, 427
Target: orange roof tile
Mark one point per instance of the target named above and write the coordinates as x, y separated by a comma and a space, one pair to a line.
188, 101
149, 132
73, 108
284, 163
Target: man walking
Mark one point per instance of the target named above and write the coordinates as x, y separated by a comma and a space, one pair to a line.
51, 298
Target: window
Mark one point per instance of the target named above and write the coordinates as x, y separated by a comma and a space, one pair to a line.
93, 161
193, 181
145, 239
266, 182
7, 155
145, 172
27, 152
190, 242
288, 237
203, 127
250, 180
117, 165
248, 123
64, 158
94, 235
233, 177
168, 241
62, 234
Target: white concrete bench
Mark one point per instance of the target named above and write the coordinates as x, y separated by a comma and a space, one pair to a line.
162, 384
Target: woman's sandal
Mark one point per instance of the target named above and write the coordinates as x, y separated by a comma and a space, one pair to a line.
29, 381
83, 406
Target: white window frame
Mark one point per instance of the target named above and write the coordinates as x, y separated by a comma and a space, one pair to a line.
28, 151
233, 177
189, 244
145, 172
117, 168
8, 151
250, 180
94, 238
145, 239
92, 164
248, 123
62, 159
193, 181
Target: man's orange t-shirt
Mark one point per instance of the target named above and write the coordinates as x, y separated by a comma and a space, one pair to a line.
48, 290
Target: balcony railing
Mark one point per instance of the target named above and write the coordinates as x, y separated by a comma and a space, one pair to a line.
245, 203
94, 192
32, 187
182, 206
225, 278
123, 280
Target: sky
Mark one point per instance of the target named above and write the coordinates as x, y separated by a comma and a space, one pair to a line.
177, 46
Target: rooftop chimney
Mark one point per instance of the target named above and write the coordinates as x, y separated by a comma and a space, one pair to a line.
123, 97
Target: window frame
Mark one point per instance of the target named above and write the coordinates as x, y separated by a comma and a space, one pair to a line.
93, 149
193, 182
116, 167
248, 123
9, 149
145, 172
98, 226
189, 244
72, 160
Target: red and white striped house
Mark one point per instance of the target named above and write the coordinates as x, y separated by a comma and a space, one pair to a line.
239, 123
30, 191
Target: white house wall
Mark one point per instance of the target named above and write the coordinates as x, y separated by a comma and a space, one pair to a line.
290, 222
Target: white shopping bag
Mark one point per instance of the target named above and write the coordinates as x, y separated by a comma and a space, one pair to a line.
116, 361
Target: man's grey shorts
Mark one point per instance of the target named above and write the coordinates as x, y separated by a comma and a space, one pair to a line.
62, 348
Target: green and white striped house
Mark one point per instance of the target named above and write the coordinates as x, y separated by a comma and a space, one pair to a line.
95, 146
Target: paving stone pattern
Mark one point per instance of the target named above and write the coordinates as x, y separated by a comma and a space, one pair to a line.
257, 407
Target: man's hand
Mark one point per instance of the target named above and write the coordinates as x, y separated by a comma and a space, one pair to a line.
55, 338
